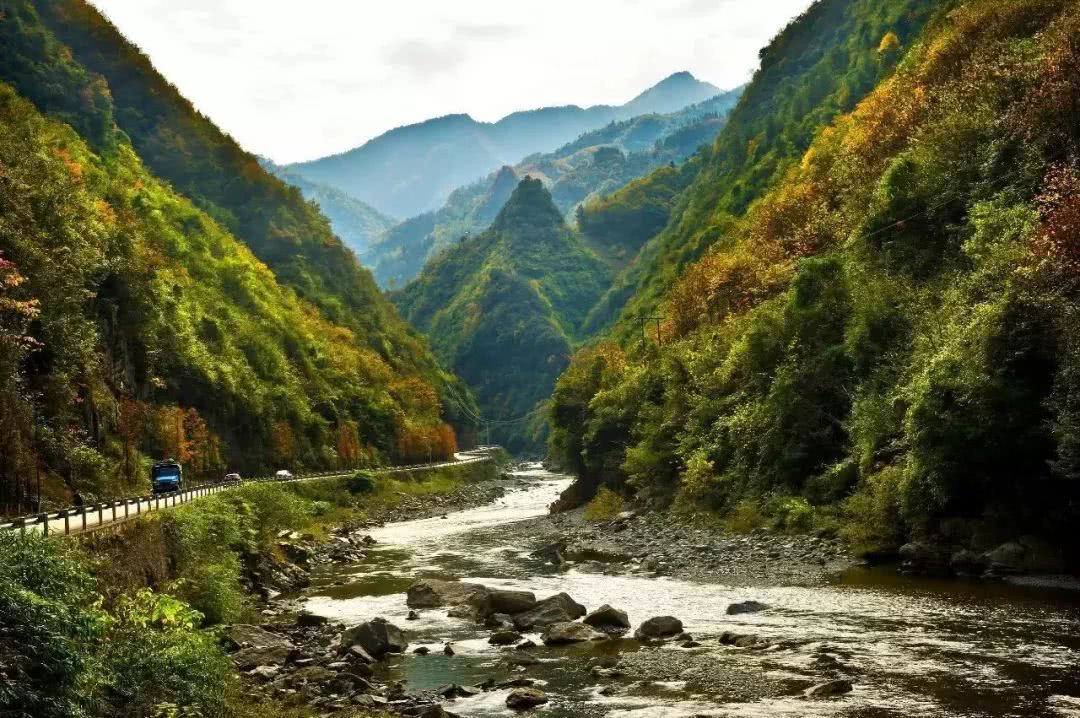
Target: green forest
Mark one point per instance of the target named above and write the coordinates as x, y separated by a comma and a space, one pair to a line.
876, 335
161, 295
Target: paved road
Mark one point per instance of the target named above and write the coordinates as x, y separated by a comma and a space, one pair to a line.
77, 520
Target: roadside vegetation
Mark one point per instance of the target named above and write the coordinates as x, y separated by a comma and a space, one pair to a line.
122, 623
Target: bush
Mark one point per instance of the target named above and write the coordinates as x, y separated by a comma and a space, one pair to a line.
745, 517
605, 506
362, 482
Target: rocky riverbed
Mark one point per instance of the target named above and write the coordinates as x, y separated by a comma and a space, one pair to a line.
500, 608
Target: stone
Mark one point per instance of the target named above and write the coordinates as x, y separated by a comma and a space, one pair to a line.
377, 636
310, 620
465, 611
745, 607
448, 649
433, 592
421, 650
504, 638
828, 689
356, 654
659, 627
559, 608
431, 712
243, 635
509, 602
690, 644
608, 619
524, 698
519, 658
570, 632
413, 616
526, 644
247, 659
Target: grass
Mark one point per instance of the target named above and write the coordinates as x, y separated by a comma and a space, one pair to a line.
605, 506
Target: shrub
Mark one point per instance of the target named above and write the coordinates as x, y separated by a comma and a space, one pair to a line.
745, 517
605, 506
362, 482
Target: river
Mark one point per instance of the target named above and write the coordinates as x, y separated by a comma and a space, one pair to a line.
912, 647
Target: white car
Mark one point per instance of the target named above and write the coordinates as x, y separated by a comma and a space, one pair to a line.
283, 475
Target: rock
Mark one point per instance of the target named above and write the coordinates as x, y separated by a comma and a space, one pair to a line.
243, 635
413, 616
921, 558
570, 632
378, 637
357, 655
691, 643
584, 551
745, 607
1027, 554
421, 650
551, 552
433, 592
310, 620
448, 649
608, 619
967, 563
431, 712
659, 627
265, 673
315, 675
247, 659
559, 608
509, 602
499, 621
524, 698
526, 644
504, 638
830, 688
519, 658
465, 611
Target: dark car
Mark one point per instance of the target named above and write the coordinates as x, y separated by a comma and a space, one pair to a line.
231, 479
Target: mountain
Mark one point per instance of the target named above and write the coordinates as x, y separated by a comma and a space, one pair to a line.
876, 337
817, 68
358, 224
162, 295
410, 170
504, 308
592, 165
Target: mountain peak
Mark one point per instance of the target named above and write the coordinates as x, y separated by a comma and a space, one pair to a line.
674, 92
530, 204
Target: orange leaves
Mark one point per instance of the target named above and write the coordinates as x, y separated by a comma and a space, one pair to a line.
15, 314
421, 443
74, 168
416, 396
889, 43
282, 442
347, 444
722, 285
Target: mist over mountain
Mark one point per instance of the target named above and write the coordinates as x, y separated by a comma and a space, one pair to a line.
412, 169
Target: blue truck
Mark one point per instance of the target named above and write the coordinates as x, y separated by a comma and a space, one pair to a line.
166, 477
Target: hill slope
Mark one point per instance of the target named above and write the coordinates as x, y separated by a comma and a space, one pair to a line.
412, 169
504, 307
226, 328
595, 163
885, 344
821, 65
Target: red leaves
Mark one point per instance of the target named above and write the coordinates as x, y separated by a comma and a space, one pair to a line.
1058, 236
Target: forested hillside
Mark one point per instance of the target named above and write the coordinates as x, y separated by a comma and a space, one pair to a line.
410, 170
886, 342
163, 296
357, 224
590, 167
504, 308
821, 65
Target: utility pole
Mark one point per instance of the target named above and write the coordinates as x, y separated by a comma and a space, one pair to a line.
643, 319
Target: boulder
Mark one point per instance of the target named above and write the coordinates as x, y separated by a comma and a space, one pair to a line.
608, 619
378, 637
570, 632
745, 607
310, 620
247, 659
434, 592
830, 688
524, 698
659, 627
559, 608
967, 563
1027, 554
509, 602
504, 638
243, 635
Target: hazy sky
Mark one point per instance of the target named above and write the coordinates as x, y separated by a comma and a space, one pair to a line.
299, 80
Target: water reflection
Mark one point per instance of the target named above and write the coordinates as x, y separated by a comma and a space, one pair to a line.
916, 647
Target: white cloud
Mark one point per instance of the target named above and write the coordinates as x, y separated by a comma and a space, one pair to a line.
295, 82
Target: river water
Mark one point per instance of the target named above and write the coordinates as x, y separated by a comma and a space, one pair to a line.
912, 647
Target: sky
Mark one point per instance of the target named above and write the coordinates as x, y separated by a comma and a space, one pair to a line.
295, 81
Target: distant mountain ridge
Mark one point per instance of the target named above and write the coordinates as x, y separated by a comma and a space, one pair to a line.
592, 165
412, 169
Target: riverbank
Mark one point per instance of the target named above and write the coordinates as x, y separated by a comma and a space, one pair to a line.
792, 640
128, 620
